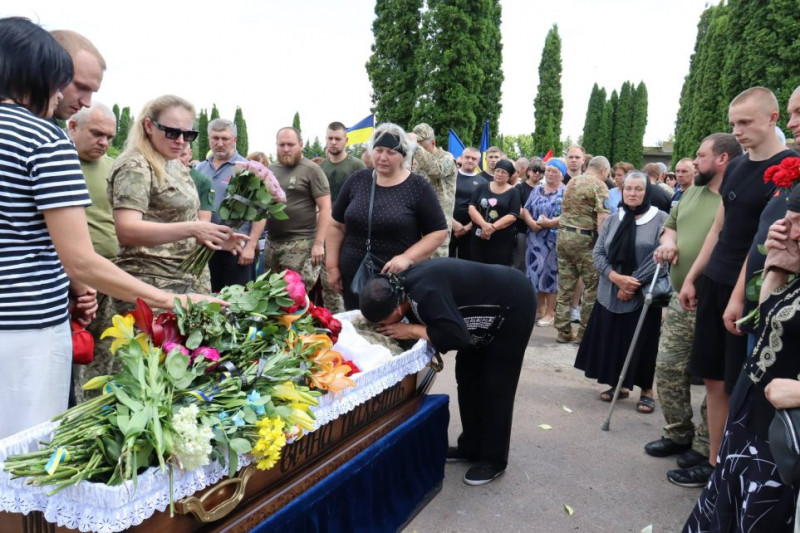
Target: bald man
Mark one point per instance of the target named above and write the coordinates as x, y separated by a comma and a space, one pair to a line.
718, 354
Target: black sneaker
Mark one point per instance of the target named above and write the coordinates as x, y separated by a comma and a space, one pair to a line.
455, 455
696, 476
664, 447
482, 473
690, 459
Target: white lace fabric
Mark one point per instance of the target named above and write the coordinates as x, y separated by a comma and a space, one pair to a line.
103, 509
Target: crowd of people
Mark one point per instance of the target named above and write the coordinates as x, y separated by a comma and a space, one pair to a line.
550, 243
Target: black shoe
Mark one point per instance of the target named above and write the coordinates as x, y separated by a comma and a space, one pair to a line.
690, 459
696, 476
482, 473
455, 455
664, 447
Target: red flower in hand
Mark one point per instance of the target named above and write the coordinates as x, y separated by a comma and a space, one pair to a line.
785, 174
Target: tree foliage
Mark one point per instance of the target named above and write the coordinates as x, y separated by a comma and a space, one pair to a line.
123, 127
241, 132
549, 104
296, 122
486, 32
311, 150
593, 124
202, 139
214, 113
393, 68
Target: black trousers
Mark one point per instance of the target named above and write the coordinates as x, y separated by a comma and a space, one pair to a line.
487, 378
226, 270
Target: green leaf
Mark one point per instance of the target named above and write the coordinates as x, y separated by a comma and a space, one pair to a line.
176, 364
194, 340
123, 397
137, 424
753, 289
240, 445
762, 249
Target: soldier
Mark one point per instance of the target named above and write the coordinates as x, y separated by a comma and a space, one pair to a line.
298, 243
439, 168
688, 224
583, 212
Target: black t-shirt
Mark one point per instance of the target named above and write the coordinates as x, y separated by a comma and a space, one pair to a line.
660, 198
485, 175
465, 188
525, 191
493, 207
744, 195
401, 215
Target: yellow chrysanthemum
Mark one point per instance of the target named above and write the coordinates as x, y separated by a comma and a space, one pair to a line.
271, 441
123, 334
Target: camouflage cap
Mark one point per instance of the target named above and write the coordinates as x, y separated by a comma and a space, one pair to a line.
423, 132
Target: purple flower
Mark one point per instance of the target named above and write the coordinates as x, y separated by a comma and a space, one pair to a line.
492, 202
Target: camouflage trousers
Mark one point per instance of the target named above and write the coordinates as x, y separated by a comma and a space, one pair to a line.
292, 255
104, 362
574, 262
331, 299
673, 378
444, 249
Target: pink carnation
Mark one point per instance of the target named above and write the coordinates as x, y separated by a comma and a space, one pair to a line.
169, 346
211, 354
295, 287
266, 176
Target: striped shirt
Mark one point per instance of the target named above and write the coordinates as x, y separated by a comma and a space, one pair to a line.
39, 170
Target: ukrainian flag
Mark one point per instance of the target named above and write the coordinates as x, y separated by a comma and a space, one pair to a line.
454, 144
361, 132
484, 145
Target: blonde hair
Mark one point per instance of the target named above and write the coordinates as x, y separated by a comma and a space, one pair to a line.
139, 141
73, 42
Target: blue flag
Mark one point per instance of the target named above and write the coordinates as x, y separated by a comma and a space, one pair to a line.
361, 132
454, 144
484, 145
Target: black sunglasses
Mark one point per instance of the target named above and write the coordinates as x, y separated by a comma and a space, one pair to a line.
174, 133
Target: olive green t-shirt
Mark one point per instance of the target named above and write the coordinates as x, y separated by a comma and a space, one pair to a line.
205, 189
99, 214
303, 184
692, 218
338, 173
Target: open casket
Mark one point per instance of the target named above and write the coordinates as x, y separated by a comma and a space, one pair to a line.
205, 498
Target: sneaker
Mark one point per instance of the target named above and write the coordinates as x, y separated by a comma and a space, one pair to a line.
455, 455
696, 476
664, 447
482, 473
563, 338
691, 458
575, 315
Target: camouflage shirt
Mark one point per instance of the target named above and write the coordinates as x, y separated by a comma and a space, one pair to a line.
172, 198
584, 198
440, 170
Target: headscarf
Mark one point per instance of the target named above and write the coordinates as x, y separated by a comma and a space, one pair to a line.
622, 250
557, 163
508, 166
380, 296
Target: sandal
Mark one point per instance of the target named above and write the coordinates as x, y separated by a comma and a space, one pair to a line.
608, 395
646, 405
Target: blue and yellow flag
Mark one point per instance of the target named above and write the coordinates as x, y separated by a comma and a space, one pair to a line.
454, 144
361, 132
484, 145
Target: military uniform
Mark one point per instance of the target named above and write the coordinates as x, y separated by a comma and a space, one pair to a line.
584, 198
440, 170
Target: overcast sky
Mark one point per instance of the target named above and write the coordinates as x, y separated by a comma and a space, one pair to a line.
275, 57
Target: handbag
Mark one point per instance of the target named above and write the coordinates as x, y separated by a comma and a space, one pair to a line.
82, 345
662, 290
784, 442
371, 264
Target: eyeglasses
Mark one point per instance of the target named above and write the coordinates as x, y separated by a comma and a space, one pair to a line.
174, 133
536, 169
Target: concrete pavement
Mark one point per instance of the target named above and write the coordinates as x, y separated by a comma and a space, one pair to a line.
604, 477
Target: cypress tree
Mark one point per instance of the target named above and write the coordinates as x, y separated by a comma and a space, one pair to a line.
123, 126
624, 124
593, 124
548, 104
202, 139
241, 132
214, 113
114, 141
639, 124
296, 121
449, 93
487, 18
604, 133
392, 69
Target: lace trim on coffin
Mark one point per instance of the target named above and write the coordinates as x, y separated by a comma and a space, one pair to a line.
98, 507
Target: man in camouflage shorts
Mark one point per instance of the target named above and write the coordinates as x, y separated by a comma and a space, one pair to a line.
298, 243
440, 169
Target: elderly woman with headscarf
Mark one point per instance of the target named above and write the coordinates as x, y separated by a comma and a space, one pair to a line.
486, 312
407, 222
494, 208
745, 492
623, 256
541, 214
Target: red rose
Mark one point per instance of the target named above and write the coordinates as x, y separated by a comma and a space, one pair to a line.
785, 174
353, 368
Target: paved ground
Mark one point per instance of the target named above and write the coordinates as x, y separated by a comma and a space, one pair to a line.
605, 477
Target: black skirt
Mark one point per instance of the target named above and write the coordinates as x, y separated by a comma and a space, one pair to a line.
606, 341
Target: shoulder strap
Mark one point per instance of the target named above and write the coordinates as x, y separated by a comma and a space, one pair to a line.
369, 213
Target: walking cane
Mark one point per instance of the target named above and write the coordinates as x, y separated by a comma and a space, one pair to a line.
648, 299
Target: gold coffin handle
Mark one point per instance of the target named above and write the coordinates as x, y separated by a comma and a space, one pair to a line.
197, 506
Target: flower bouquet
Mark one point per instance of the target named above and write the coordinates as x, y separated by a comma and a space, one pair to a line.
200, 383
253, 194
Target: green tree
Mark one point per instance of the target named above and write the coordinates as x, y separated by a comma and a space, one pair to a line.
449, 94
115, 110
604, 132
202, 139
214, 113
311, 150
486, 23
593, 124
638, 125
392, 69
123, 127
241, 132
548, 104
623, 139
296, 121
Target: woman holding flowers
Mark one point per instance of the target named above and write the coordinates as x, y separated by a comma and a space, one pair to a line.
155, 200
408, 223
494, 209
46, 251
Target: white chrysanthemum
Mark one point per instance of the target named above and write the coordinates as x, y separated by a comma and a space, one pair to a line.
192, 440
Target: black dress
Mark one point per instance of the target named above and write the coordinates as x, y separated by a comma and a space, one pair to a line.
498, 249
489, 323
401, 215
745, 492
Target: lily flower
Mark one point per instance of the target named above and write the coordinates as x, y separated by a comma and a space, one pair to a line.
123, 333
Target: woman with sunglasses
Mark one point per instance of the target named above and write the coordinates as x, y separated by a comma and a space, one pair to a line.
155, 201
47, 254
